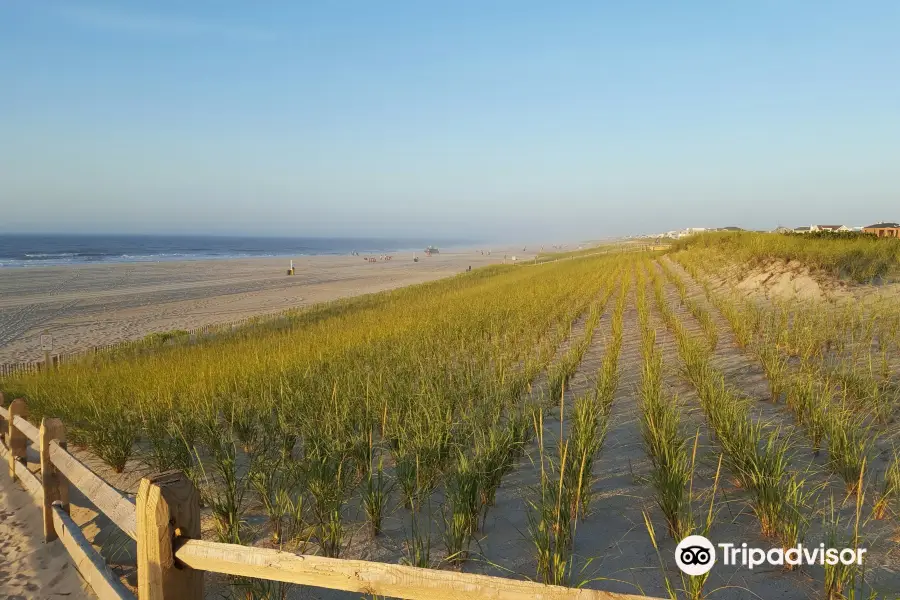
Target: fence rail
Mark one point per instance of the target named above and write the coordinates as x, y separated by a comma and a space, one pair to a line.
171, 558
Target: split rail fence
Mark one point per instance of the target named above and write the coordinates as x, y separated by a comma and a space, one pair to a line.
164, 520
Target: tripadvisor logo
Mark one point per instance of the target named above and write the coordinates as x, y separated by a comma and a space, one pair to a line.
696, 555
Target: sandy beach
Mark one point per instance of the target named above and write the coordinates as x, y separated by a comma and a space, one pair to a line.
83, 306
29, 568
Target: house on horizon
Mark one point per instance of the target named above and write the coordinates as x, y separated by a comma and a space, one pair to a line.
815, 228
885, 229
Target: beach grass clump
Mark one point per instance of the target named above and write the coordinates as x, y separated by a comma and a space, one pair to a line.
114, 442
277, 481
810, 401
551, 516
376, 495
692, 587
865, 392
766, 471
608, 374
170, 437
743, 322
330, 475
775, 366
843, 581
671, 467
418, 544
589, 423
889, 492
223, 479
496, 452
849, 444
462, 508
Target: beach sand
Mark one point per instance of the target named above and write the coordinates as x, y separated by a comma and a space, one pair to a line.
29, 568
83, 306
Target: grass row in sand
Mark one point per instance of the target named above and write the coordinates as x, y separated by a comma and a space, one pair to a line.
563, 495
756, 455
673, 455
829, 365
669, 449
862, 258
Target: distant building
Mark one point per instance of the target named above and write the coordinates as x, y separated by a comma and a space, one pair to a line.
831, 228
884, 229
807, 229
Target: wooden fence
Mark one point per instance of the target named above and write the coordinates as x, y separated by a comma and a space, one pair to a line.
164, 520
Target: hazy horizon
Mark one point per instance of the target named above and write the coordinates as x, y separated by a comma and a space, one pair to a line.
507, 121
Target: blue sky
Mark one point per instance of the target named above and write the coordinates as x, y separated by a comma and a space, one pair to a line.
496, 119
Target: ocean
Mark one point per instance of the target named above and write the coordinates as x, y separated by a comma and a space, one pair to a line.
25, 250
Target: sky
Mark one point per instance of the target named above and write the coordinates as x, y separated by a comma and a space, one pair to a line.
496, 119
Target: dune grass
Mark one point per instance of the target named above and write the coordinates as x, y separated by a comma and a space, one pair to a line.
415, 404
862, 258
391, 394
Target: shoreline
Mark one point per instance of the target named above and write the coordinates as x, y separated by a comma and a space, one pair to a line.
152, 259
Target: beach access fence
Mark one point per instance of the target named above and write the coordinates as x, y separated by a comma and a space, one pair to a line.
164, 521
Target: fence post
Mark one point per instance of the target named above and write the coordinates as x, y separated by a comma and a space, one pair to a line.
168, 507
54, 483
17, 439
2, 429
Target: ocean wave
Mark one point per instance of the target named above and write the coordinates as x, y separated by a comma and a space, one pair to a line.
51, 255
39, 250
